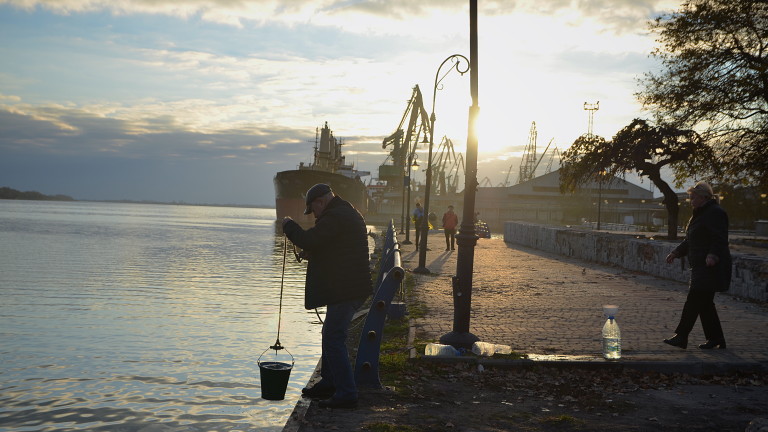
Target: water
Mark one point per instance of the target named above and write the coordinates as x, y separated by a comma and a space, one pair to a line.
611, 340
131, 317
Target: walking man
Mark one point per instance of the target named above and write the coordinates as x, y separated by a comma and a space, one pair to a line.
450, 222
418, 219
706, 246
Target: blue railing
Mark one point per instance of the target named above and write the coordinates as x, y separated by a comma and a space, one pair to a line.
391, 275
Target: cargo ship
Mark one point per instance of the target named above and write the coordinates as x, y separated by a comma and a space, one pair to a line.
328, 166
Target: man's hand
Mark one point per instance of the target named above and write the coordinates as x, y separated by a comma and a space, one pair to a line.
712, 260
671, 257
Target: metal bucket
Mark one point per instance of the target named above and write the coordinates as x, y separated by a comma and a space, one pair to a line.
274, 377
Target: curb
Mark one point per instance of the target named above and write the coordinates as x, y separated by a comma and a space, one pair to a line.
695, 368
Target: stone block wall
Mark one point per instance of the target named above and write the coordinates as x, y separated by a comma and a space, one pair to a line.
750, 272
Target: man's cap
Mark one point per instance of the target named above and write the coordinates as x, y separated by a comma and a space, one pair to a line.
702, 189
314, 193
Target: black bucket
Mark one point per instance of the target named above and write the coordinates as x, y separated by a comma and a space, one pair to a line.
274, 379
274, 375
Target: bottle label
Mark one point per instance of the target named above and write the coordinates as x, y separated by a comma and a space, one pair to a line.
612, 348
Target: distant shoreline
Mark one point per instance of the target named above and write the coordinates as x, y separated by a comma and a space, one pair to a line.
181, 203
13, 194
7, 193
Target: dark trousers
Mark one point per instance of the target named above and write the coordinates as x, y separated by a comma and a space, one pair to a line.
700, 303
450, 239
418, 233
336, 370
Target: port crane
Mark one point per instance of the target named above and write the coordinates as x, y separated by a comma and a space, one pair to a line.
555, 153
405, 141
506, 179
531, 160
447, 167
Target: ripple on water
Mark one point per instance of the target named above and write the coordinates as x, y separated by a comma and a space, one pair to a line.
145, 318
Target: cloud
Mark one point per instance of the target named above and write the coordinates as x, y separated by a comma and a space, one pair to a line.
90, 156
75, 132
381, 16
167, 84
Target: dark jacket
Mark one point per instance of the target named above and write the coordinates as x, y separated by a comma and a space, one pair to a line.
707, 233
337, 246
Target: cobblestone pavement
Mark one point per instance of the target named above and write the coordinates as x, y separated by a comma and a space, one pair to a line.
546, 304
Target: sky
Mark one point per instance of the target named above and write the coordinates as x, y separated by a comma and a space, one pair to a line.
203, 101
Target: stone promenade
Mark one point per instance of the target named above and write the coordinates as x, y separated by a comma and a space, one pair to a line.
550, 306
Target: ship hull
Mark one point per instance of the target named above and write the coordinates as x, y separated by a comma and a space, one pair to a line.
291, 188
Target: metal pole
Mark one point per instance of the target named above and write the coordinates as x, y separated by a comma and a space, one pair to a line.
402, 208
407, 202
460, 337
456, 58
599, 200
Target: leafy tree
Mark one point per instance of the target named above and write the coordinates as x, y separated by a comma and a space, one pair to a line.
714, 78
641, 148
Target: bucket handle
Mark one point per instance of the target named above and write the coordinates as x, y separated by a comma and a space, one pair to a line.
277, 347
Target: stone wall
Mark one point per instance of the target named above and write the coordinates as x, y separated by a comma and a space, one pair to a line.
750, 272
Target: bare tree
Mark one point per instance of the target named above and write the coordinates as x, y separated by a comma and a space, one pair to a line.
714, 79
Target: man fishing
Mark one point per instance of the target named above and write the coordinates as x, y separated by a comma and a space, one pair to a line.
339, 277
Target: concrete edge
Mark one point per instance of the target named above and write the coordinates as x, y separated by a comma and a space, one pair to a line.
695, 368
412, 354
296, 418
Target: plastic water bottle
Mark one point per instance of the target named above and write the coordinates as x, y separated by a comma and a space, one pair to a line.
440, 350
488, 349
611, 334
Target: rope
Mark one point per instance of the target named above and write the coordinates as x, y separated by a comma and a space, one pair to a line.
277, 345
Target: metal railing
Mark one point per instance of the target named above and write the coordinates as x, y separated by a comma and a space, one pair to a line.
390, 279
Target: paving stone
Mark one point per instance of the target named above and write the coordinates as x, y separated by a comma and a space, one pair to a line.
542, 303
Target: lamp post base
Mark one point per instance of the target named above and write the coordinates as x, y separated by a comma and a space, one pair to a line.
421, 270
459, 339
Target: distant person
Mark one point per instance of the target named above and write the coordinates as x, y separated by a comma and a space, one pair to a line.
338, 276
450, 222
418, 219
706, 246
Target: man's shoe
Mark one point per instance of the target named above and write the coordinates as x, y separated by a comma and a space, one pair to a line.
713, 344
318, 392
338, 404
678, 341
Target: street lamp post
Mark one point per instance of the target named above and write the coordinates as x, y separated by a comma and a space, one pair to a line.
601, 176
456, 58
599, 200
460, 336
412, 164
